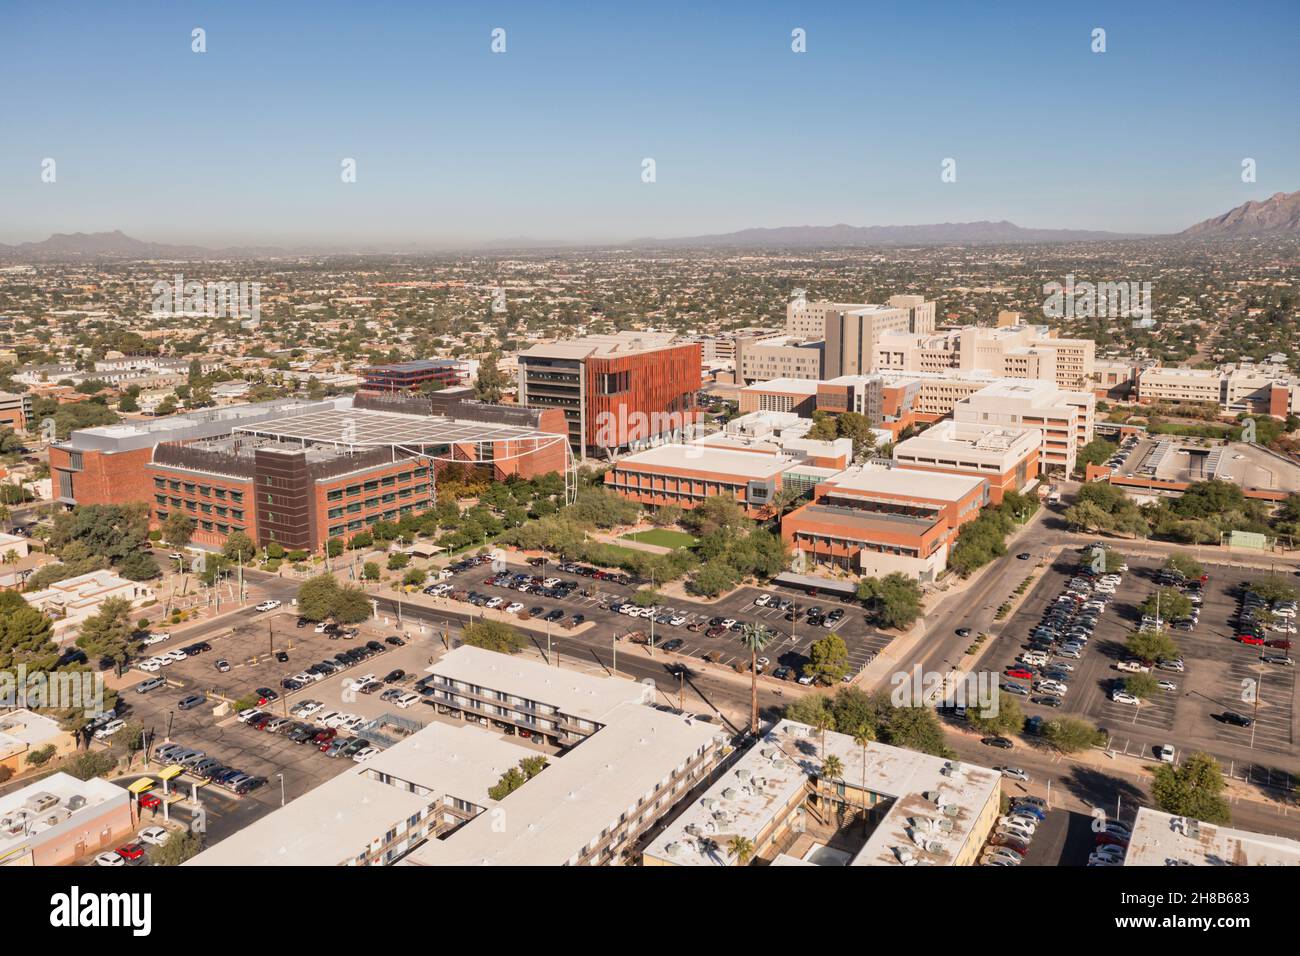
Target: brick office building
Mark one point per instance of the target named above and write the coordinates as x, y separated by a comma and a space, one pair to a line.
616, 391
305, 472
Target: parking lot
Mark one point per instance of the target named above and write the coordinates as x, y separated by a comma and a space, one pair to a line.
789, 647
1221, 674
251, 650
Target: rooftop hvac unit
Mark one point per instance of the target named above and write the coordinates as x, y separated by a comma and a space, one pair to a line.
743, 774
730, 794
76, 801
41, 801
905, 855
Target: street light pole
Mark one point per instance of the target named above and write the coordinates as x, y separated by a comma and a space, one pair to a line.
281, 776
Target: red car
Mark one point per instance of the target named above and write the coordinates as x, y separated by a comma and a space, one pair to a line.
1020, 673
131, 852
1250, 639
148, 801
1110, 838
1284, 645
325, 737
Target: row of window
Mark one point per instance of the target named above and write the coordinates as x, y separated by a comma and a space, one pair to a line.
220, 527
190, 487
351, 491
356, 507
204, 507
358, 524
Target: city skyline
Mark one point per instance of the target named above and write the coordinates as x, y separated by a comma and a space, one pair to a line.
457, 146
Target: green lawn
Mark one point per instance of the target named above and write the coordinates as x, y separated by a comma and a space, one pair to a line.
663, 538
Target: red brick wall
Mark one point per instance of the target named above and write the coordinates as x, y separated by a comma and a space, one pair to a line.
106, 479
662, 381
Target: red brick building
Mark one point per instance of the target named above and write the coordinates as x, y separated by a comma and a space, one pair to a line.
616, 391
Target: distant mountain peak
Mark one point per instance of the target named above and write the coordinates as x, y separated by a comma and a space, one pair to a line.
1278, 215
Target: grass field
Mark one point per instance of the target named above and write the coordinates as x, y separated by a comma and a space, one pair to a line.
663, 538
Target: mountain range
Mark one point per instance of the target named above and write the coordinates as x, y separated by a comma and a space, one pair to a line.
1279, 215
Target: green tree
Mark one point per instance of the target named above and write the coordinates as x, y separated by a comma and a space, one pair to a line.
491, 382
828, 659
1006, 718
1141, 686
1188, 567
1071, 734
894, 600
494, 636
316, 597
370, 571
178, 529
239, 547
1170, 603
179, 847
1194, 789
107, 635
1151, 646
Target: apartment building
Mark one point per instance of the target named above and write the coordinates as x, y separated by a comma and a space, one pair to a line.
889, 807
616, 391
1006, 457
60, 820
874, 520
425, 787
1065, 418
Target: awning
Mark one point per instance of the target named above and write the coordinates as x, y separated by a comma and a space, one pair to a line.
807, 582
175, 770
140, 786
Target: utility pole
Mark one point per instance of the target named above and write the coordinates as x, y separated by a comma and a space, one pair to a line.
681, 690
614, 646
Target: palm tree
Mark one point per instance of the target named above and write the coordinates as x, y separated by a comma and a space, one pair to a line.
755, 637
832, 767
825, 721
742, 848
865, 735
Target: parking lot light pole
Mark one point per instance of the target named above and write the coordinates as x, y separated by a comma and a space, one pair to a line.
281, 776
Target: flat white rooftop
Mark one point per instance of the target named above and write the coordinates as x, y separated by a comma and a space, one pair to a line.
580, 695
704, 458
22, 823
770, 779
337, 821
1160, 839
948, 437
905, 482
799, 386
565, 808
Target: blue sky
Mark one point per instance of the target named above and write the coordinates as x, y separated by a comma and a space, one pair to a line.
456, 144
